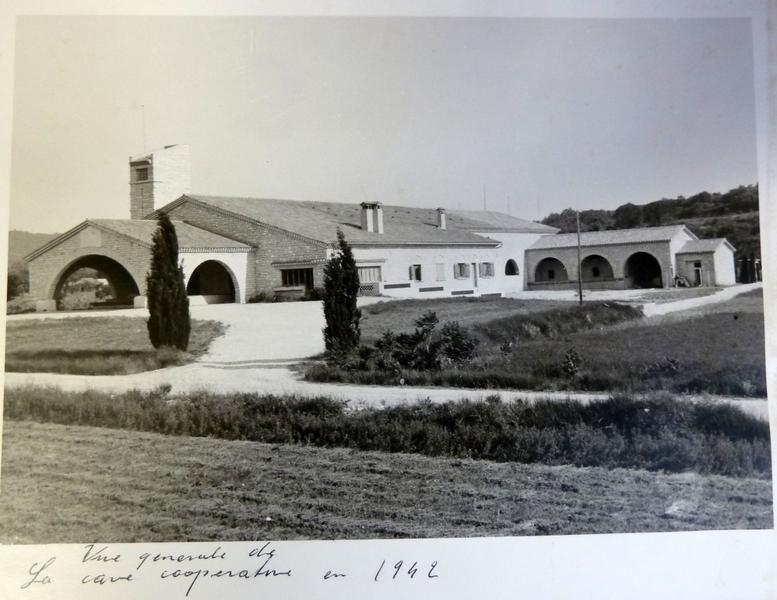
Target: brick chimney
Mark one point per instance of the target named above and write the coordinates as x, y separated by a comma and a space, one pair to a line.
158, 178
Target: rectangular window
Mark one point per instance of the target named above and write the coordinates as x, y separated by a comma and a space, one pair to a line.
551, 274
486, 269
414, 272
297, 277
461, 271
142, 174
369, 274
595, 271
440, 267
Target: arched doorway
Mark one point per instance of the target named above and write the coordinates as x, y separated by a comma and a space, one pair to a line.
94, 281
550, 270
596, 268
213, 282
511, 268
643, 271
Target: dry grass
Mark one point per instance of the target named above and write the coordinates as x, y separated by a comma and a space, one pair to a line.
77, 484
96, 345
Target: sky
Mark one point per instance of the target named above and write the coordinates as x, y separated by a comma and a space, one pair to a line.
523, 116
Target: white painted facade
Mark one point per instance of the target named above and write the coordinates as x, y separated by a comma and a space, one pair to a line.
725, 266
513, 248
400, 268
236, 264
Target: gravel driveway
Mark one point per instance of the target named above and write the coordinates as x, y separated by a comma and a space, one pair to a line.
260, 344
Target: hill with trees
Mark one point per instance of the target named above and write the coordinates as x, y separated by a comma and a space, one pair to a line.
20, 244
732, 215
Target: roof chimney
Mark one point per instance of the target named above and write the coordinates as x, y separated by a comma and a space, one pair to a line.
442, 221
367, 223
379, 217
372, 217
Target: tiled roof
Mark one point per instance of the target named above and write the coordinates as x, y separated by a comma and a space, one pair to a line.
707, 245
188, 236
612, 236
482, 220
320, 220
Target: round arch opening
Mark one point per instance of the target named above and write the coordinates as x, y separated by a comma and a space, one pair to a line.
211, 283
550, 270
94, 281
643, 271
511, 268
596, 268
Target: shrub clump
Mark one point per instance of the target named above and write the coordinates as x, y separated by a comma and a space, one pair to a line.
427, 349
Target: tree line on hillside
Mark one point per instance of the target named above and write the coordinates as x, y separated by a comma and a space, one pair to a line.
733, 215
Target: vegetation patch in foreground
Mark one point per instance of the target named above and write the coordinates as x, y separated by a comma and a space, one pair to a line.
720, 350
67, 484
96, 346
657, 433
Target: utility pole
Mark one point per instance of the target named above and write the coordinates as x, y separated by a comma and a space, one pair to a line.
143, 124
579, 270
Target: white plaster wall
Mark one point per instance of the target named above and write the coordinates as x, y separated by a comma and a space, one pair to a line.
394, 263
675, 244
514, 246
725, 268
236, 262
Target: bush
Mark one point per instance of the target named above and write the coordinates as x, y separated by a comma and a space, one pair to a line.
20, 305
423, 350
77, 300
457, 344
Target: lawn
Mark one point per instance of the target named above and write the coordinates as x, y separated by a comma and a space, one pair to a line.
399, 315
68, 484
716, 349
95, 345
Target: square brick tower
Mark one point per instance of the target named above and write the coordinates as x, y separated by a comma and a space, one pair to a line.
157, 178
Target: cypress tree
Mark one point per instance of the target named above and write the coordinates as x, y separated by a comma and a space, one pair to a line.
169, 322
341, 287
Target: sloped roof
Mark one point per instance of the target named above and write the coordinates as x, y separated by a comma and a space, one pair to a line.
706, 245
612, 236
189, 236
486, 220
319, 221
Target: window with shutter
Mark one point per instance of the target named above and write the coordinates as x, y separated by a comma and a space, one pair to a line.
440, 267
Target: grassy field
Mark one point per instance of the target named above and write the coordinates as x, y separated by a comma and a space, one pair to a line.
79, 484
95, 345
716, 349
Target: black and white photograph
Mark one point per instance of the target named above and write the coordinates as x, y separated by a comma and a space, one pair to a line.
382, 277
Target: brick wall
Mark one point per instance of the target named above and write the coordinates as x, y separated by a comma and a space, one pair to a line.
46, 269
271, 245
615, 254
